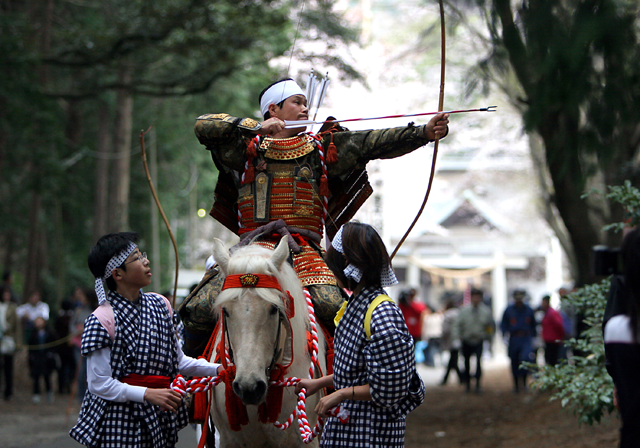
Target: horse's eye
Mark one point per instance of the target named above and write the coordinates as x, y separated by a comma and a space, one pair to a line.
225, 312
274, 309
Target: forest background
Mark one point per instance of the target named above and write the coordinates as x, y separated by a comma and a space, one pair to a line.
80, 79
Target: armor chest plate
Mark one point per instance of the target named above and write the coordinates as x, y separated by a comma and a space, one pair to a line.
284, 191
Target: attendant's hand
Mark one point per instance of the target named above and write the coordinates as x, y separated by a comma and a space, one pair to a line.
312, 386
437, 127
331, 401
167, 399
220, 370
271, 126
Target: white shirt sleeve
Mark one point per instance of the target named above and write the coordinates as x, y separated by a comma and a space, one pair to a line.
195, 367
101, 382
43, 310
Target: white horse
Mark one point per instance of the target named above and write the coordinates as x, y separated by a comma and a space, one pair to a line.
261, 336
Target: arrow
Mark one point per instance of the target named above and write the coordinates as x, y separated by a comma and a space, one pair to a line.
289, 124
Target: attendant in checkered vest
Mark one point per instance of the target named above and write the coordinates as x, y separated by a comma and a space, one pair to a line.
132, 355
374, 370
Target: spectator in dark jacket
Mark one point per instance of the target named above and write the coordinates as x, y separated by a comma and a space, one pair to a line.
42, 358
519, 324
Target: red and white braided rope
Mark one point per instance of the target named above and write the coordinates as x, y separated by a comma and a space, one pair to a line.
184, 387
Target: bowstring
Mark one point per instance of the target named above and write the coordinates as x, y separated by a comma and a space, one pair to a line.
295, 40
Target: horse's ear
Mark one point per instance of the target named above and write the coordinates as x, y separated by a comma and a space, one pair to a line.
221, 254
281, 252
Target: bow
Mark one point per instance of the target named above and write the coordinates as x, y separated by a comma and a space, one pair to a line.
437, 141
164, 217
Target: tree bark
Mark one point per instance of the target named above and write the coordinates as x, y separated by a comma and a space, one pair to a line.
31, 275
101, 202
119, 216
32, 269
568, 184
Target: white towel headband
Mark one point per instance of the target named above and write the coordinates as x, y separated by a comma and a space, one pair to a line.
278, 93
387, 276
115, 261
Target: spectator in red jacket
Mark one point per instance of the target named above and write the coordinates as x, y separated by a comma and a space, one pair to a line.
414, 311
552, 332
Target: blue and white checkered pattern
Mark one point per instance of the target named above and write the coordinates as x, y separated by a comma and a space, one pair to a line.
144, 344
386, 363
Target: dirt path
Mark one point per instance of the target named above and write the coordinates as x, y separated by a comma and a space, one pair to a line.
498, 418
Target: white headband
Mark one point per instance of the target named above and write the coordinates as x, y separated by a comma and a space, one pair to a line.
115, 261
278, 93
387, 276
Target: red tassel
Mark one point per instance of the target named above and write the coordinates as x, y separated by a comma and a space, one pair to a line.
332, 153
236, 410
269, 411
251, 149
330, 355
324, 186
250, 174
200, 405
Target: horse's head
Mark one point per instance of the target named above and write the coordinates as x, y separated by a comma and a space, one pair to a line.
254, 317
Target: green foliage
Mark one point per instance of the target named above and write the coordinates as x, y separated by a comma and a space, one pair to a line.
582, 384
628, 197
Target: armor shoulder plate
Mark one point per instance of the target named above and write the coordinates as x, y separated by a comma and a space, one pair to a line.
248, 124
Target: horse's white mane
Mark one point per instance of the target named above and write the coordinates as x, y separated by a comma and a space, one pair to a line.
255, 259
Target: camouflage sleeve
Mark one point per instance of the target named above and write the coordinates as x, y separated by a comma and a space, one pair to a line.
226, 137
356, 148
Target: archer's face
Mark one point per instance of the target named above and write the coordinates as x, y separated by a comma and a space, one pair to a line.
294, 108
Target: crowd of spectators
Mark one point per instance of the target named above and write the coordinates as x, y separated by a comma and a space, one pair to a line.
50, 341
465, 329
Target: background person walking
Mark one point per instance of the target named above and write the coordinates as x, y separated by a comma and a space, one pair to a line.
552, 332
473, 326
446, 341
519, 324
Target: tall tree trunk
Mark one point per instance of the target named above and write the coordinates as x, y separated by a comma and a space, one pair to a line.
73, 134
32, 269
31, 275
568, 184
119, 216
73, 131
101, 204
8, 246
3, 135
547, 205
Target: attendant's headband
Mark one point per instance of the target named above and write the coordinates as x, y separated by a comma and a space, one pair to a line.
115, 261
387, 276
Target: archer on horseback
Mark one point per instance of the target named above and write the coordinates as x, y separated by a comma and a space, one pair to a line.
274, 180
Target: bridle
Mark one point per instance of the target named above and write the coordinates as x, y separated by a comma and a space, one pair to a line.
261, 281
